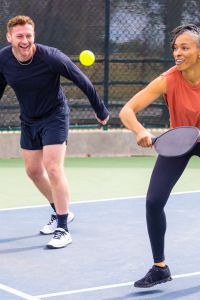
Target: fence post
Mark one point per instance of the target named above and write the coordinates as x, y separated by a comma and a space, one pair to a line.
106, 51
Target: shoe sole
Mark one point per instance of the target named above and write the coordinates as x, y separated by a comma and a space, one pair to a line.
53, 247
154, 283
72, 219
43, 233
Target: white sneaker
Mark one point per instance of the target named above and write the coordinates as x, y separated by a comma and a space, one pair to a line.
70, 217
52, 225
60, 239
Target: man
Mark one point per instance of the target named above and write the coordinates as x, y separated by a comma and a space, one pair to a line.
33, 71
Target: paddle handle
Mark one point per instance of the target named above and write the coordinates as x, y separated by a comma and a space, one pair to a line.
153, 139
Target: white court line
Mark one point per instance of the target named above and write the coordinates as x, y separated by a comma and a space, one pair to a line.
104, 287
17, 292
29, 297
96, 201
98, 288
186, 275
76, 202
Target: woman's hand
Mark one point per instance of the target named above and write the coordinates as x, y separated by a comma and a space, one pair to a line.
144, 138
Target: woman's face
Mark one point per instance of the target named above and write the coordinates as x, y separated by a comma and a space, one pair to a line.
186, 51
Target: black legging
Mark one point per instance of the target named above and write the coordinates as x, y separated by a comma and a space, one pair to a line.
165, 174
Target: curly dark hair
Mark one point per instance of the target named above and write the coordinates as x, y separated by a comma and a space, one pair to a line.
192, 28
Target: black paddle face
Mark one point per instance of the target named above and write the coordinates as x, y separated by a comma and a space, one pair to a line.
177, 141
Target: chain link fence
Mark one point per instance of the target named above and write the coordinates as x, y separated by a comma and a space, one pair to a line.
130, 39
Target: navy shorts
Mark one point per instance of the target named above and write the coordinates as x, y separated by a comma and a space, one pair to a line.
51, 131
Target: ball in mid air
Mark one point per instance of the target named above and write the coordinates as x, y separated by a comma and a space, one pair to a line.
87, 58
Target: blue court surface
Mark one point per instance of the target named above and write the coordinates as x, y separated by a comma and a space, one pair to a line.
110, 250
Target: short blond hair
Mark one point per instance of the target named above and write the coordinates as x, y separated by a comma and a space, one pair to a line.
19, 20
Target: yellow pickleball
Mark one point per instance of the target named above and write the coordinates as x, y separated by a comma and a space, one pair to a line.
87, 58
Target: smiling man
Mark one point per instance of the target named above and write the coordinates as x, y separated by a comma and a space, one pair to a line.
33, 71
21, 36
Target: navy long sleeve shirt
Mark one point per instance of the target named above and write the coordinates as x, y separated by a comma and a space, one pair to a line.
37, 85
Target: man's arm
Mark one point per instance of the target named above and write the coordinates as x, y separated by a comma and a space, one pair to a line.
69, 70
3, 84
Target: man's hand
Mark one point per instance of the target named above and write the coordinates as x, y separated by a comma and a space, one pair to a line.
102, 122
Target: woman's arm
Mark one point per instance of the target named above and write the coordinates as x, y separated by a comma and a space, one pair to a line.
137, 103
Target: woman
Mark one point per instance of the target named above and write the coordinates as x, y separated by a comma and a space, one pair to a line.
180, 86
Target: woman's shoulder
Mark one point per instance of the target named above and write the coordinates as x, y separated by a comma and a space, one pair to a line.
172, 72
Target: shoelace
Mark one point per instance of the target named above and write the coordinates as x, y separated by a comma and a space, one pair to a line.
58, 234
149, 274
52, 220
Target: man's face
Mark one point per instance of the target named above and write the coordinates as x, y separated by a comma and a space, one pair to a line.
22, 38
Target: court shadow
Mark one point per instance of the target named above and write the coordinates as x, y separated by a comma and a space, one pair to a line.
19, 238
24, 249
144, 293
133, 295
183, 293
160, 295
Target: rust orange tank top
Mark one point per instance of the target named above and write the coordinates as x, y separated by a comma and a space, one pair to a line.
183, 100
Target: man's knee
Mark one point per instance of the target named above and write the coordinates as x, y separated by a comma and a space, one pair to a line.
54, 172
34, 173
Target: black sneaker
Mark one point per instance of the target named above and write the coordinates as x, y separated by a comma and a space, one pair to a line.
155, 276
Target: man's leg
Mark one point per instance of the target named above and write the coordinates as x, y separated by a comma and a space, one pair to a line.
53, 159
36, 171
